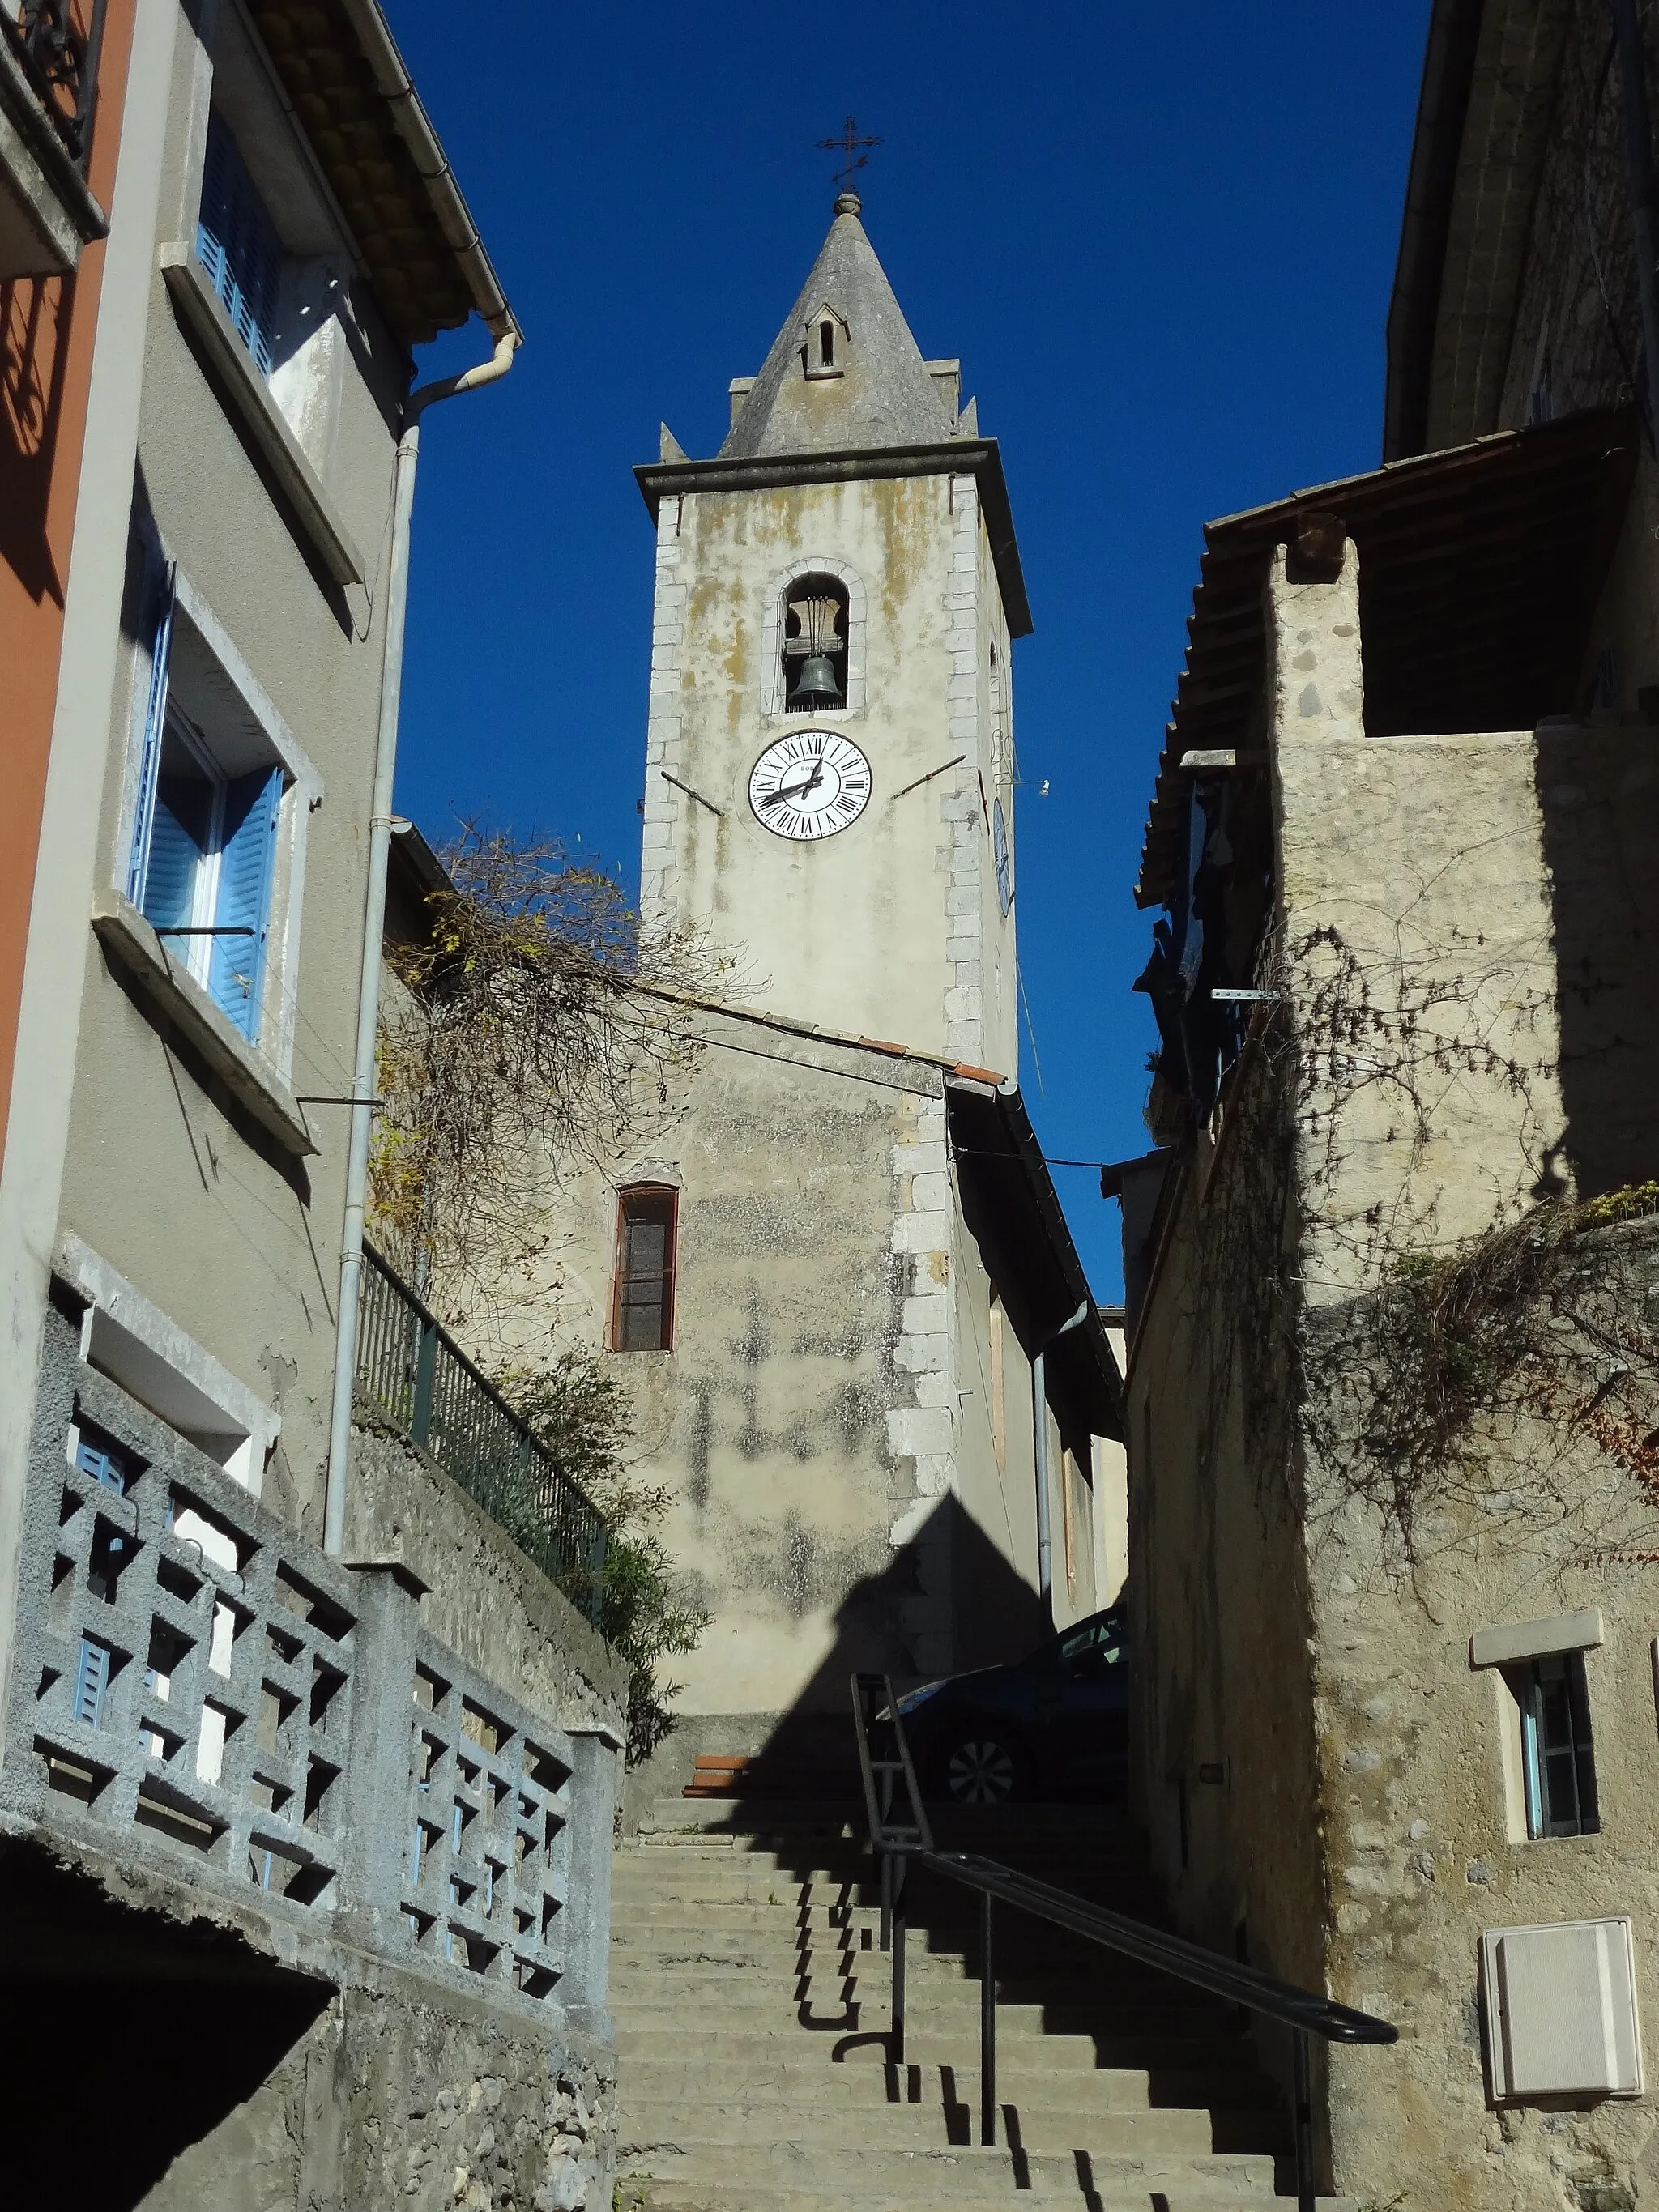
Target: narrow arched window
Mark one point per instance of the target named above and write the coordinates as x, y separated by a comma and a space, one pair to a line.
814, 645
642, 1304
823, 343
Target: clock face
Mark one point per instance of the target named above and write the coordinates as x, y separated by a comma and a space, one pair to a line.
810, 784
1003, 857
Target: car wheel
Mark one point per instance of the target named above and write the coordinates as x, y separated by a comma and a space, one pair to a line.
980, 1770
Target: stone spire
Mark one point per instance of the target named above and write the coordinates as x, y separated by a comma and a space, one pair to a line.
874, 390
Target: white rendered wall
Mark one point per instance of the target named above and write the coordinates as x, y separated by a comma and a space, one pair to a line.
892, 928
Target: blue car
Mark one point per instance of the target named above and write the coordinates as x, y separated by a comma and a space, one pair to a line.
1054, 1724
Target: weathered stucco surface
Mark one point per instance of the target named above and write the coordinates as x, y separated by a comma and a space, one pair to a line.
1465, 952
892, 929
231, 1236
821, 1422
1418, 1788
484, 1600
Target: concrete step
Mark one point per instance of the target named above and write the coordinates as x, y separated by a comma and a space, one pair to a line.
956, 2176
663, 1842
697, 1883
1055, 2128
650, 1908
674, 2038
748, 1880
719, 1954
827, 2011
636, 2193
689, 1991
956, 1827
1023, 2078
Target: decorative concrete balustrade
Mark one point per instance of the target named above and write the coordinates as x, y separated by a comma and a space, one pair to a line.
199, 1686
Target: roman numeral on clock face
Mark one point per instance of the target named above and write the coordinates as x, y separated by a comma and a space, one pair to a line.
809, 784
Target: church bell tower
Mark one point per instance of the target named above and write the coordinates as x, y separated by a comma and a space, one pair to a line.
830, 755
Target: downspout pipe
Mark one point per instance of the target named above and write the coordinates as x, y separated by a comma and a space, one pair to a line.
368, 988
1040, 1443
1638, 162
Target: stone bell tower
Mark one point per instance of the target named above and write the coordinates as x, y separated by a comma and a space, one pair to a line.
830, 756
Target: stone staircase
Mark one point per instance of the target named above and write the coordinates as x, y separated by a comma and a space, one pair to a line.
752, 2003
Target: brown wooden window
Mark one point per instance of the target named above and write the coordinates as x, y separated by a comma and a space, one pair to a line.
642, 1314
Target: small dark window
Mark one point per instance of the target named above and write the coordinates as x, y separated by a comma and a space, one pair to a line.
1557, 1766
826, 343
815, 644
643, 1316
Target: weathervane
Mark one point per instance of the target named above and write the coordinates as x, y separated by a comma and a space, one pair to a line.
847, 144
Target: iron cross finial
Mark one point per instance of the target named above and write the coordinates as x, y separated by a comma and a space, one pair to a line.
847, 145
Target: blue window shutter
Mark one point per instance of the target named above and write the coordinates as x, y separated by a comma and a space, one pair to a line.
237, 246
103, 1466
160, 653
180, 815
91, 1682
237, 968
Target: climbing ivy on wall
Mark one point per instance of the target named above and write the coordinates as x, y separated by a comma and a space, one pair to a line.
527, 1035
1508, 1376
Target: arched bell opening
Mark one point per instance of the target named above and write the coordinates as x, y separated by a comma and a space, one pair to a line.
815, 644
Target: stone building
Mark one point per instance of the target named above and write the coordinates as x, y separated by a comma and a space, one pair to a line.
1391, 1387
833, 1248
308, 1774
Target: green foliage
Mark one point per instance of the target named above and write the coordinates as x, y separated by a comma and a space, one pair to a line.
526, 1035
579, 1407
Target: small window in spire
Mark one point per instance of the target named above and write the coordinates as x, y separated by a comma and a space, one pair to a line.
814, 645
824, 353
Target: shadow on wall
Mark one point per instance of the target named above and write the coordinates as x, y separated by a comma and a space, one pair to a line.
35, 316
949, 1570
123, 2028
1596, 790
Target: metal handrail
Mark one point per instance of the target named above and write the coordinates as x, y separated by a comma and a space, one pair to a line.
422, 1382
899, 1837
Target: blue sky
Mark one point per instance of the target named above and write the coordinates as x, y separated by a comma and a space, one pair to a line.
1160, 242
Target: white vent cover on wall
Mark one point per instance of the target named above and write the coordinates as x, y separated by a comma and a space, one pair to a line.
1561, 2010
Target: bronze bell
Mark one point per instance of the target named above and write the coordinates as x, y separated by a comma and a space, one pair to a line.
817, 685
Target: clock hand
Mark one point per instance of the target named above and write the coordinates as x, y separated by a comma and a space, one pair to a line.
796, 790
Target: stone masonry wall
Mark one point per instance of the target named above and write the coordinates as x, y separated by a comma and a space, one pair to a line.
391, 2099
427, 2073
1416, 1784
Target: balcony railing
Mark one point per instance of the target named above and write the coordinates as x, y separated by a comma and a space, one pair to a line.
59, 59
208, 1693
420, 1380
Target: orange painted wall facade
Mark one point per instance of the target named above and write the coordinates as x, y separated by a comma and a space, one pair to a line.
47, 329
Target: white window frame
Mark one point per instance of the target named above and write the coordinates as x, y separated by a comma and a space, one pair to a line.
195, 954
233, 75
129, 1338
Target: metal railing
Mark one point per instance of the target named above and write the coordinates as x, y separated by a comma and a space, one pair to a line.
418, 1376
898, 1836
59, 62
